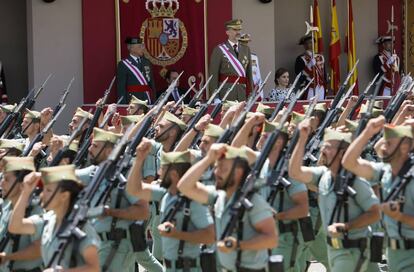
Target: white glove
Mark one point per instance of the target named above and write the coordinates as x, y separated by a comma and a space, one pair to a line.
392, 59
311, 63
217, 100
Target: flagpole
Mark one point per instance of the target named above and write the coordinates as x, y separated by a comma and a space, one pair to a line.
205, 42
117, 31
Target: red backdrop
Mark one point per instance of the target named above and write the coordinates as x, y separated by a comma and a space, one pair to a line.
99, 46
384, 18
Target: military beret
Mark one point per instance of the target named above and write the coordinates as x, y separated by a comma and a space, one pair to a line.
74, 145
131, 119
375, 111
335, 135
189, 111
82, 113
265, 109
244, 38
56, 174
243, 152
135, 100
391, 131
35, 115
100, 135
133, 40
213, 131
174, 119
234, 24
7, 144
18, 164
297, 117
351, 125
228, 103
272, 126
7, 108
175, 157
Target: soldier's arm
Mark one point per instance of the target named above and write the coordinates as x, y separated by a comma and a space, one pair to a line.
137, 211
296, 169
31, 252
91, 258
299, 210
242, 137
185, 141
348, 108
135, 185
231, 114
266, 237
214, 70
351, 160
201, 236
121, 77
367, 218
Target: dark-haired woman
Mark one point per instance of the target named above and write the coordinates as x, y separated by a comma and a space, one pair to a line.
281, 85
61, 188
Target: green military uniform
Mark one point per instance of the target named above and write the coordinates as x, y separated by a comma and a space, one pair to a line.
352, 249
127, 81
46, 228
221, 67
400, 245
16, 242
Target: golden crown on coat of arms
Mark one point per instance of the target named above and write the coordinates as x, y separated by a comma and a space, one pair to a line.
162, 8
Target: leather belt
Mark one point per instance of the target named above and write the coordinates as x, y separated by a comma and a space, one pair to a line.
291, 227
400, 244
181, 263
242, 269
232, 79
118, 234
347, 243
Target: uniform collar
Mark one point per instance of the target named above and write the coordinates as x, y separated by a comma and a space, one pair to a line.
232, 44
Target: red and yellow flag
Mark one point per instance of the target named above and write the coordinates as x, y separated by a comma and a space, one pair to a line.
334, 50
317, 23
350, 47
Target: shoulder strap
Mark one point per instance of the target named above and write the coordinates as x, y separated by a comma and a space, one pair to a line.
184, 228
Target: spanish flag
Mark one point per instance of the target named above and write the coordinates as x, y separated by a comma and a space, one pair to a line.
334, 50
317, 23
350, 47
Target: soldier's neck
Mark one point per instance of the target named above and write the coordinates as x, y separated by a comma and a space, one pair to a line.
168, 145
234, 41
173, 188
230, 192
397, 164
61, 212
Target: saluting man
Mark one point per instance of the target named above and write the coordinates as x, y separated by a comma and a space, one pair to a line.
232, 60
134, 73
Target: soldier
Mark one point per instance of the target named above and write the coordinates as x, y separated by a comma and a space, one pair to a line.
257, 77
395, 148
347, 231
118, 247
192, 223
246, 250
176, 94
16, 248
31, 125
10, 148
134, 74
387, 63
187, 114
313, 66
76, 120
232, 60
4, 110
61, 188
137, 106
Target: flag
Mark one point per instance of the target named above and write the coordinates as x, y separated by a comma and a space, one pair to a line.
317, 23
350, 47
334, 50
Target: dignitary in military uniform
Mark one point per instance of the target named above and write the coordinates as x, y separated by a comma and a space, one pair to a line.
232, 60
387, 63
346, 224
134, 74
61, 188
246, 248
312, 65
398, 220
184, 224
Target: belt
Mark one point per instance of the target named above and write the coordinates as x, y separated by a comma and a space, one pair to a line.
242, 269
291, 227
400, 244
181, 263
37, 269
232, 79
138, 88
313, 202
347, 243
116, 235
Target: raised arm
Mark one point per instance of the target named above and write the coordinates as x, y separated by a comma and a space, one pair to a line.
242, 137
351, 160
185, 141
351, 103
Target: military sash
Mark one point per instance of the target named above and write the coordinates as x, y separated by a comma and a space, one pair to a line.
235, 63
135, 71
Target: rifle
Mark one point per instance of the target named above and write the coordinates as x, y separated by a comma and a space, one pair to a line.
177, 104
203, 110
39, 137
290, 91
63, 97
59, 156
195, 98
362, 96
109, 115
83, 150
402, 93
314, 142
243, 195
400, 186
16, 116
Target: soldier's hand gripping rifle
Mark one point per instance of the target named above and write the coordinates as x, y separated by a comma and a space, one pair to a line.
83, 150
63, 97
110, 114
178, 103
242, 201
15, 118
195, 98
72, 231
399, 187
313, 145
403, 91
362, 96
76, 133
39, 137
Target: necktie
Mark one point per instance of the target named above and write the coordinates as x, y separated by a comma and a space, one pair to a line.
235, 50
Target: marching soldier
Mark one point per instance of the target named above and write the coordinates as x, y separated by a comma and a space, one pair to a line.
257, 77
312, 65
232, 60
395, 148
387, 63
183, 227
134, 74
245, 250
347, 232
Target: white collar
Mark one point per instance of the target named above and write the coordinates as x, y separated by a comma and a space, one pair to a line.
134, 57
232, 44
